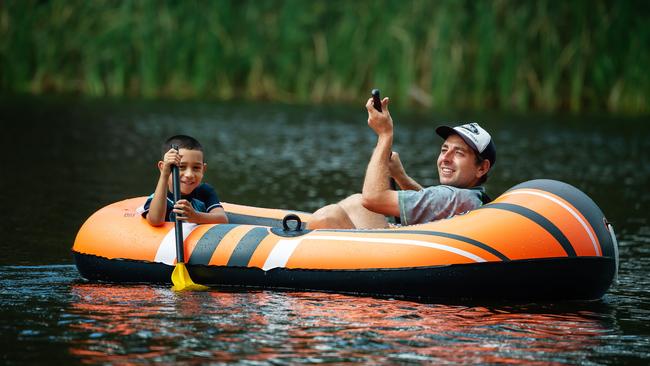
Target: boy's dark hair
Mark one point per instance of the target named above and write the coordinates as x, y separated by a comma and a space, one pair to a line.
183, 142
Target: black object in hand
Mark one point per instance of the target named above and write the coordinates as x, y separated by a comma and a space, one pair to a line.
376, 99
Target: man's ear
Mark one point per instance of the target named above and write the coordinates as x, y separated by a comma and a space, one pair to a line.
205, 167
160, 165
483, 168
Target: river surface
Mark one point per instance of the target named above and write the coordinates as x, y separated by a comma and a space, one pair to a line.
66, 158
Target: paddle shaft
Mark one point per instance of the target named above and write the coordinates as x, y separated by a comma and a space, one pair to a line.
176, 184
376, 102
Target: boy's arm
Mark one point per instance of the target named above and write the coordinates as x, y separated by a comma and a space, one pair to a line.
158, 205
186, 212
216, 216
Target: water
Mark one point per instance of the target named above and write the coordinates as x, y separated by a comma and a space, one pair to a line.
64, 159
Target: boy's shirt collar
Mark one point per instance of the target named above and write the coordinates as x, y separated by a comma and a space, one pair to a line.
170, 195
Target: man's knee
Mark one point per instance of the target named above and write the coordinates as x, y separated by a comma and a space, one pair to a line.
359, 216
330, 217
351, 202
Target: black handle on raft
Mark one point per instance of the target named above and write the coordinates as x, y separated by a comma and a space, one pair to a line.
176, 184
291, 217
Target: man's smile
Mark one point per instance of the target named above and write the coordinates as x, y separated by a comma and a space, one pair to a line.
446, 170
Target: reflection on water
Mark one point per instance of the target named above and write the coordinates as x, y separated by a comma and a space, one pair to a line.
82, 155
113, 324
45, 308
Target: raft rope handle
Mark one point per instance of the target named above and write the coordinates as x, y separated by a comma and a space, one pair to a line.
291, 217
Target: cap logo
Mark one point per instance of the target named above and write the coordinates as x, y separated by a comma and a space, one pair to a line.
471, 128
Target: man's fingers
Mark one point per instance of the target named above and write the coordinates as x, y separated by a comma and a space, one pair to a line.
384, 103
369, 105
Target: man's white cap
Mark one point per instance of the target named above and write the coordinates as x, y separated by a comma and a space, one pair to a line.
475, 136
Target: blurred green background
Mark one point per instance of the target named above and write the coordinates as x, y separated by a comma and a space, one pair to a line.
577, 56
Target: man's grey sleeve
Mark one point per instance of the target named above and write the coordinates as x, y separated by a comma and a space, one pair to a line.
435, 203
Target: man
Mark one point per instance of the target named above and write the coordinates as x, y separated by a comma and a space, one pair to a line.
467, 155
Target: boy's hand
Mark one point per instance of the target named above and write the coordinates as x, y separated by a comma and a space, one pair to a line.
172, 157
185, 212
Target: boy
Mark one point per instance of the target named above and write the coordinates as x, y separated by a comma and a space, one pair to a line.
199, 203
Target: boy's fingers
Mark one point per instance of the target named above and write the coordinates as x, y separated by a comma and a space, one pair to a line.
183, 207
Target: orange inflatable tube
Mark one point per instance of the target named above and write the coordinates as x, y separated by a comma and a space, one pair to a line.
541, 239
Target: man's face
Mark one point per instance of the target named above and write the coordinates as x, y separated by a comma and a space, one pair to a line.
457, 164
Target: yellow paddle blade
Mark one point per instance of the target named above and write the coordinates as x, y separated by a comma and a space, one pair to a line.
182, 281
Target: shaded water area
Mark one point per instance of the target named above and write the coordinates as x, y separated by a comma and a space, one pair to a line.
64, 159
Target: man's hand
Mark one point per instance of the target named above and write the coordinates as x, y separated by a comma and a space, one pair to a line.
395, 166
398, 173
380, 122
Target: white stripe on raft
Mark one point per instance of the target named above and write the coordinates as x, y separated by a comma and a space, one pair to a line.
283, 249
280, 253
167, 249
563, 205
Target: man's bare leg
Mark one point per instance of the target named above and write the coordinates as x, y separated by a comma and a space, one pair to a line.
330, 217
347, 214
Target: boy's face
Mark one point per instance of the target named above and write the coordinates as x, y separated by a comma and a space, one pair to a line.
190, 171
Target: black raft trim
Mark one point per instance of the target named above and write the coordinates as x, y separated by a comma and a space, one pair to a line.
235, 218
566, 278
539, 220
96, 268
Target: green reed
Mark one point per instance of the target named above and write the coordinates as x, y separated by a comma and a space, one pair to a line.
504, 54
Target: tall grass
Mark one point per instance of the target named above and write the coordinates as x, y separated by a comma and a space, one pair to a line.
505, 54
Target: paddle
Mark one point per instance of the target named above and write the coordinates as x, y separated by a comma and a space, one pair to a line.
376, 102
180, 276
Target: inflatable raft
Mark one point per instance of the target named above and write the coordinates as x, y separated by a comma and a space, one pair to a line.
540, 240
